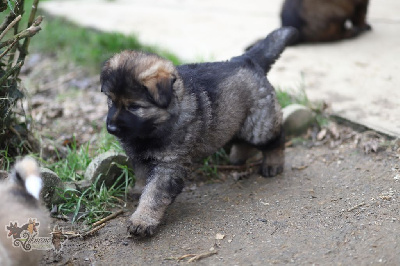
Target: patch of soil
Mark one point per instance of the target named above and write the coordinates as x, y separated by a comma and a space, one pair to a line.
64, 100
330, 206
335, 203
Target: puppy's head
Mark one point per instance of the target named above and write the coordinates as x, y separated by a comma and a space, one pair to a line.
139, 87
26, 175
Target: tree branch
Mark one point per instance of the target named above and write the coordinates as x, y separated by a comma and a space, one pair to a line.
29, 32
10, 72
10, 26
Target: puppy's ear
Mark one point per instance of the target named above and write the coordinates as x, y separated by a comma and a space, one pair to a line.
159, 80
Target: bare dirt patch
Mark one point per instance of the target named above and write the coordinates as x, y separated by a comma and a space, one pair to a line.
341, 208
65, 100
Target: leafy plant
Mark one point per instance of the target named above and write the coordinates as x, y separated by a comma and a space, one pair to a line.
209, 166
14, 45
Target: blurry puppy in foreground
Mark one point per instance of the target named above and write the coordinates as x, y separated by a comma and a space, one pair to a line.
326, 20
19, 203
165, 116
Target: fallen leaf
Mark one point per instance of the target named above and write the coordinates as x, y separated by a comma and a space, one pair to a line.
219, 236
371, 145
334, 132
301, 167
322, 134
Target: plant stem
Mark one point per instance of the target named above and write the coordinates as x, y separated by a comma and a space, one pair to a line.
10, 26
10, 72
23, 51
8, 49
29, 32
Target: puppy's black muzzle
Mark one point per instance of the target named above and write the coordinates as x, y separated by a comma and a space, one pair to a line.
125, 125
112, 129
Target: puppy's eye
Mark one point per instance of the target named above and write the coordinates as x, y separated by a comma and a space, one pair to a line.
133, 107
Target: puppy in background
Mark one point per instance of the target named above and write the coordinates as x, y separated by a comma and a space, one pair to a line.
19, 202
165, 116
326, 20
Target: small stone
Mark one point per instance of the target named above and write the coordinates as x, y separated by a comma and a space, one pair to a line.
297, 118
51, 183
105, 166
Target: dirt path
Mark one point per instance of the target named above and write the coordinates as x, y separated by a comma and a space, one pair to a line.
331, 206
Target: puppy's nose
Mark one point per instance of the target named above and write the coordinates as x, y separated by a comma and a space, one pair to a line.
112, 129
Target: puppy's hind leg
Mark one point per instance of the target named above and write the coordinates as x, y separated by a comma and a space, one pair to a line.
240, 152
273, 156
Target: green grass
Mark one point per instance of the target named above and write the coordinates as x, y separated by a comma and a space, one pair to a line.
85, 47
287, 96
5, 160
73, 166
299, 96
97, 200
209, 166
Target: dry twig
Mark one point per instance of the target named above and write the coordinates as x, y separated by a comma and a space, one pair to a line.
8, 49
91, 232
29, 32
355, 207
301, 167
202, 256
237, 167
10, 26
109, 217
194, 257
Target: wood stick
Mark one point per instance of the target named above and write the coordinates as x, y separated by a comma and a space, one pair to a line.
88, 233
10, 26
109, 217
236, 167
355, 207
202, 256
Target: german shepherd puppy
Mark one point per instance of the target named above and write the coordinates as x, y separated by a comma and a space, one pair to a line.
20, 203
326, 20
165, 116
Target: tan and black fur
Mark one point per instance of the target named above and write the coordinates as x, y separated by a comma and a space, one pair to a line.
165, 116
326, 20
20, 203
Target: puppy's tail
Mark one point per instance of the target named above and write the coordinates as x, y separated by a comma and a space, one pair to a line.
267, 51
26, 175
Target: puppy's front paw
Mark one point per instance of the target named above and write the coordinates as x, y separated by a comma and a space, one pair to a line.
142, 225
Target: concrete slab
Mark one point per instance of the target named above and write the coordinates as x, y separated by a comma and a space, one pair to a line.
358, 78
